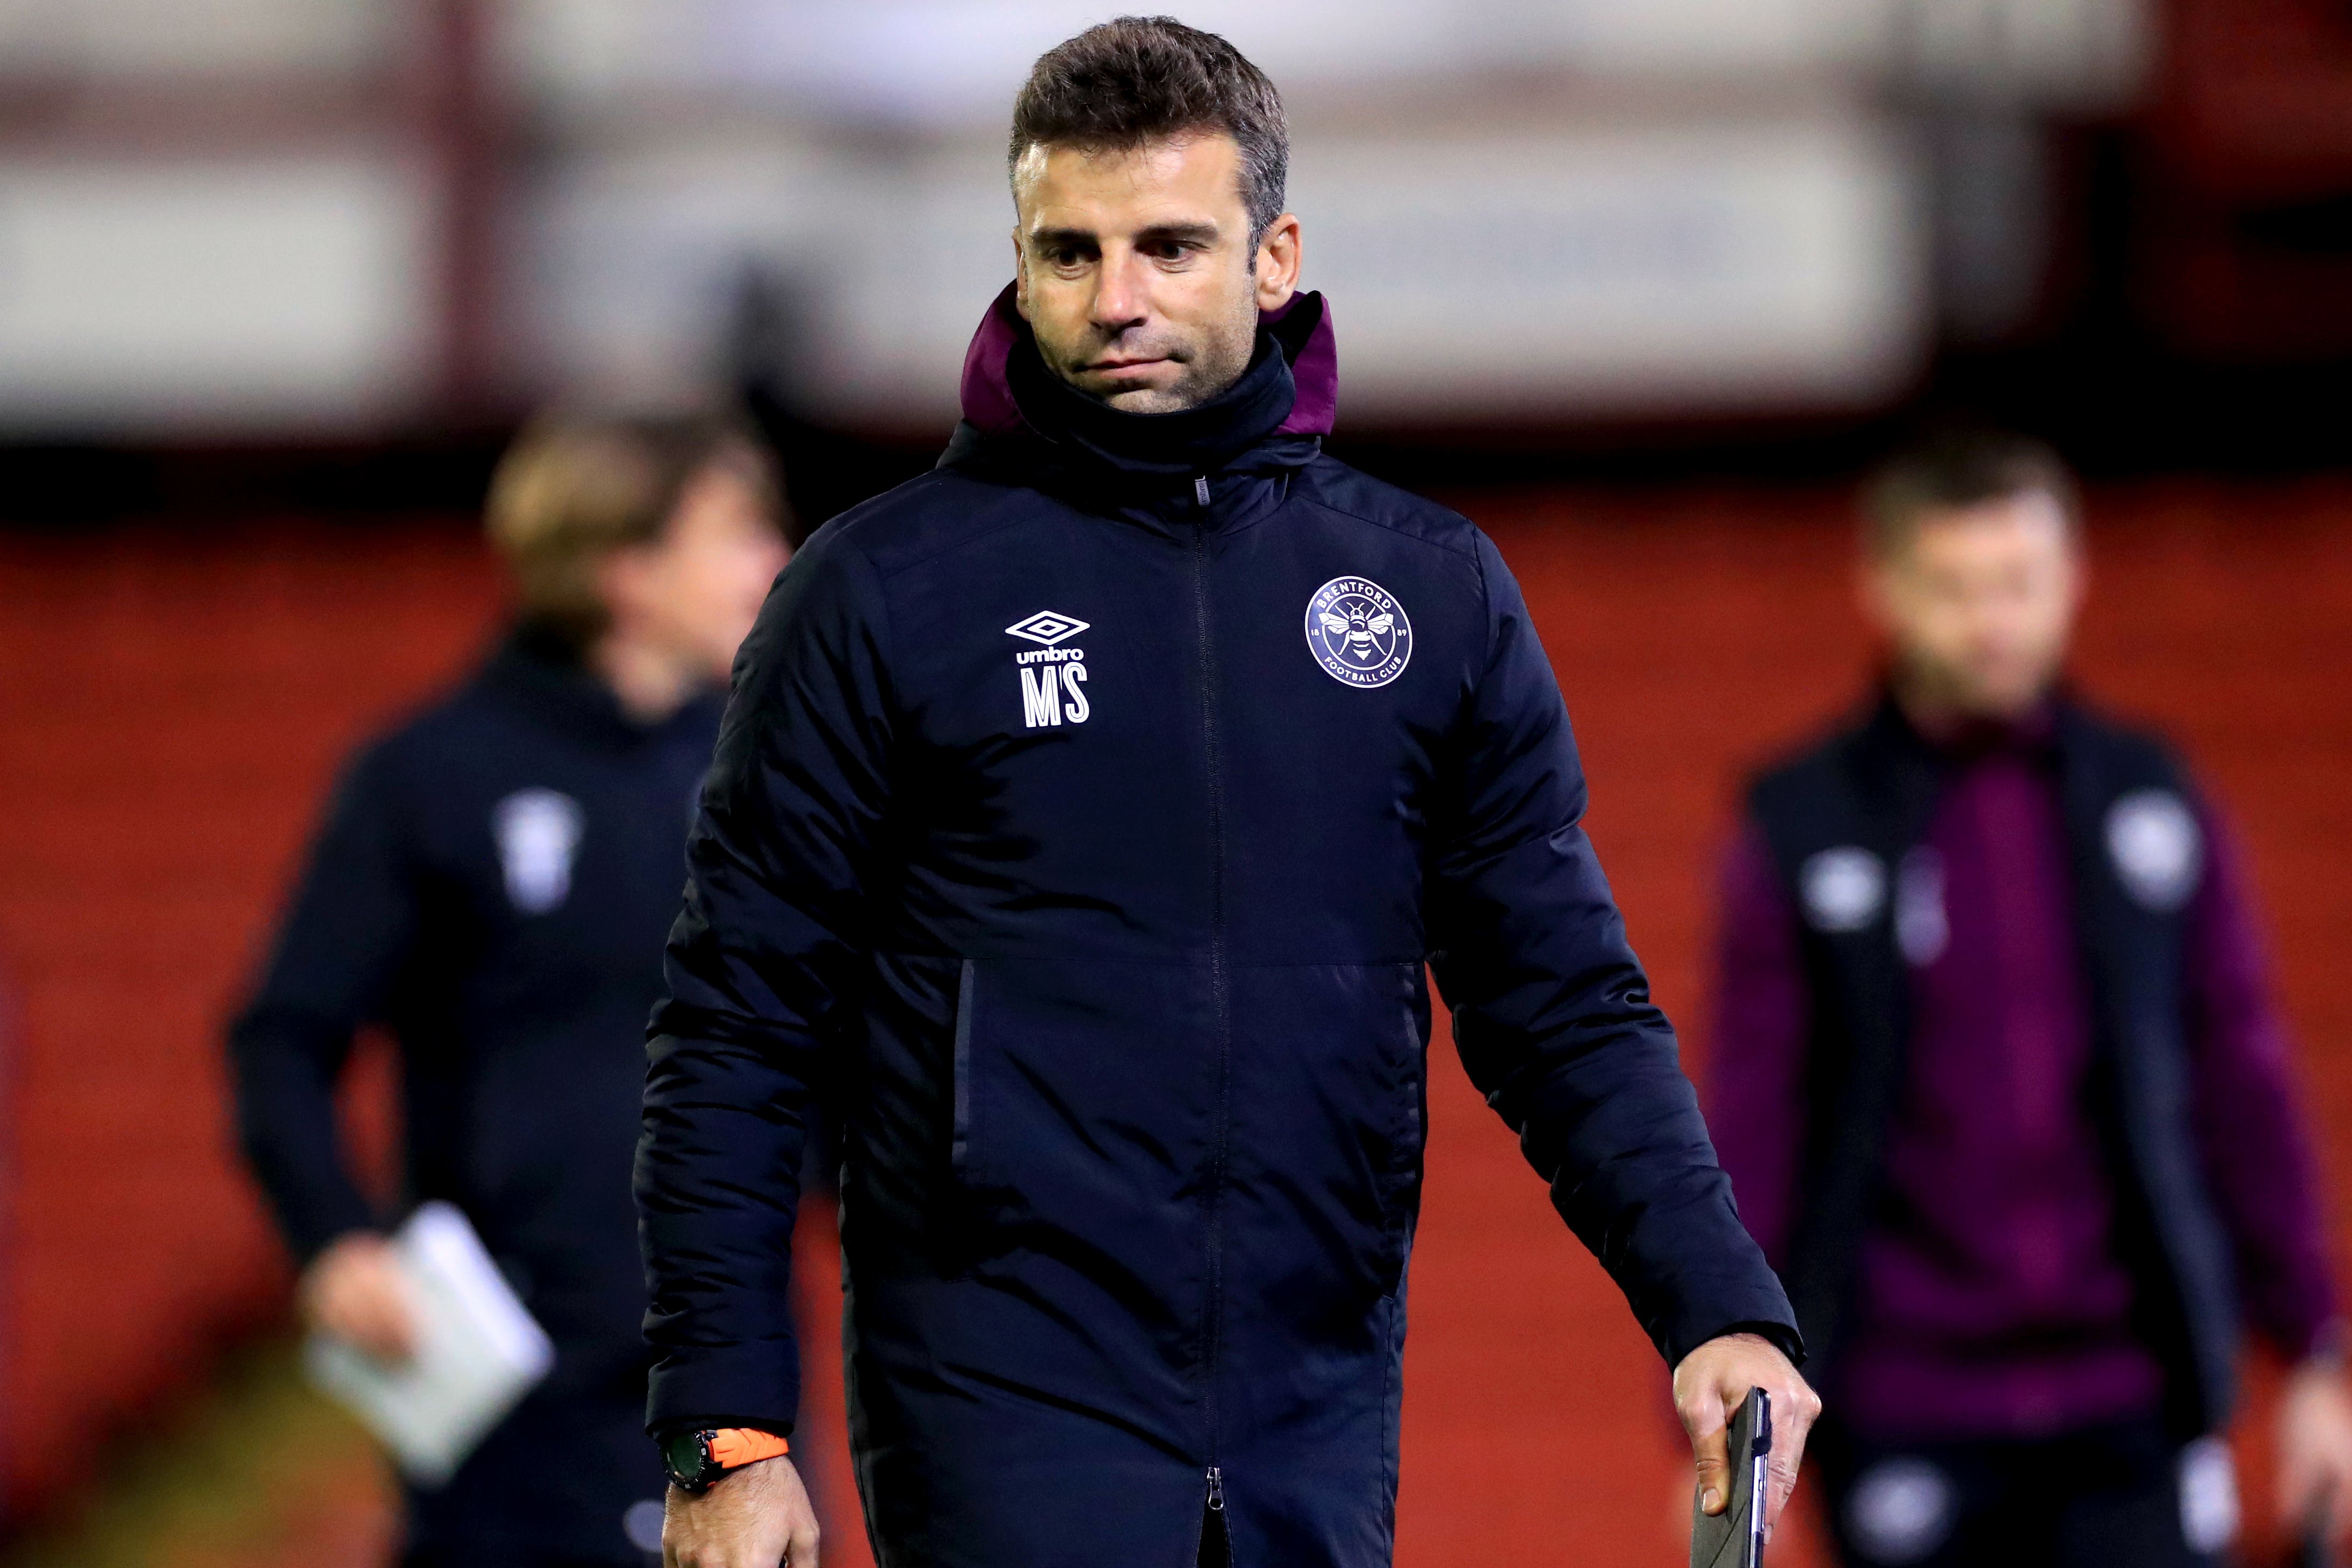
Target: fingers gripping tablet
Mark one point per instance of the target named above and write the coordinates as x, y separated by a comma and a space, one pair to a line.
1735, 1538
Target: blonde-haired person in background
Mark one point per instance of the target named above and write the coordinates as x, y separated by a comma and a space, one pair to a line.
492, 884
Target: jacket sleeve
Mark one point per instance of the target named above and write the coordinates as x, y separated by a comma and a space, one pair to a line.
2252, 1134
755, 972
347, 934
1552, 1013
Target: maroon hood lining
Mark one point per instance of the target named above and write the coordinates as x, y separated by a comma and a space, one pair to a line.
989, 406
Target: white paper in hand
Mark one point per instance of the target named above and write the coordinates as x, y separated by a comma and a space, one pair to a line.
477, 1351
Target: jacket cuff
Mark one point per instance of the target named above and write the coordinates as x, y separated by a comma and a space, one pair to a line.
756, 1384
768, 1423
1780, 1336
1747, 1311
2327, 1343
319, 1219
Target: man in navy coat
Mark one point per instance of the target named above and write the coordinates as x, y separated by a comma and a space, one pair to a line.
1100, 802
2005, 1081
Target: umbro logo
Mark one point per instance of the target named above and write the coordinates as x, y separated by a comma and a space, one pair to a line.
1047, 626
1053, 679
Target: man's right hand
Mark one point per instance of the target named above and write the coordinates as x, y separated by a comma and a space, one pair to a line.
756, 1516
353, 1291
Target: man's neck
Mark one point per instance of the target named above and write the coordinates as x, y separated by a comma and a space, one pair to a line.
1939, 714
1156, 447
650, 682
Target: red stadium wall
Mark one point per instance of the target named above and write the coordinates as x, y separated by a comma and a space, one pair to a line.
176, 703
174, 707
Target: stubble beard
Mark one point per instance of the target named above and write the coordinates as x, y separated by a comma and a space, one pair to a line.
1210, 366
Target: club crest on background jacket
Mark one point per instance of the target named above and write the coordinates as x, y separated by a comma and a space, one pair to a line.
2157, 850
538, 831
1843, 888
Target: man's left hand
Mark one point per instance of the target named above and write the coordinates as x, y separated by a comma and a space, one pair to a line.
2315, 1449
1711, 1382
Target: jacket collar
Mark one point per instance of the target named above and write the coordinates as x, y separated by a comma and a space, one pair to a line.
1274, 418
2034, 733
539, 671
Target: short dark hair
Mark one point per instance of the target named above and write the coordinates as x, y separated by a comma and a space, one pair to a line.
1144, 78
1954, 469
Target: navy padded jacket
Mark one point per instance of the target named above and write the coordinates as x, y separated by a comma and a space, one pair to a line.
1101, 800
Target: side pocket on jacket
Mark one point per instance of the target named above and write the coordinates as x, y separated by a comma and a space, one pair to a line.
960, 1138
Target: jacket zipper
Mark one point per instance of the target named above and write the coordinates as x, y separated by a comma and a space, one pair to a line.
1212, 1327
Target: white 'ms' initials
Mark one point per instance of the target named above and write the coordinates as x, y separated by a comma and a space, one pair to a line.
1042, 690
1041, 695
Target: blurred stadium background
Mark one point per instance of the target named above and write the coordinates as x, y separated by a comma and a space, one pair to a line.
1636, 286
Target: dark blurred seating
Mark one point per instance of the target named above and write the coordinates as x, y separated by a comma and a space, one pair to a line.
2247, 228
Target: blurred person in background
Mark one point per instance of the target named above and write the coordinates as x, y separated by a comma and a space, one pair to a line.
2001, 1083
492, 884
1099, 796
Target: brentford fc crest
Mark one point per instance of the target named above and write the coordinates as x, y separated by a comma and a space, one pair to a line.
1358, 632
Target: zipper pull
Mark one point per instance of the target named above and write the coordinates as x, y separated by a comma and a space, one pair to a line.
1201, 494
1216, 1478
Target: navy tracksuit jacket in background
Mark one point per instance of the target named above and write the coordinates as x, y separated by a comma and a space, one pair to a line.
493, 882
1097, 800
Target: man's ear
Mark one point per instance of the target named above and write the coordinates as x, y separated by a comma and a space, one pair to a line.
1278, 260
1019, 277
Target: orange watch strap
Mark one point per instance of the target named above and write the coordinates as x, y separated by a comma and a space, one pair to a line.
735, 1446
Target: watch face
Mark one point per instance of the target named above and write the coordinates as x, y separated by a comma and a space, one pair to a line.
686, 1456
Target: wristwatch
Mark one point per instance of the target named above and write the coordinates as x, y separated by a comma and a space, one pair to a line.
697, 1457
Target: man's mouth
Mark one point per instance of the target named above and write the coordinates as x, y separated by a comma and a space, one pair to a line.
1125, 366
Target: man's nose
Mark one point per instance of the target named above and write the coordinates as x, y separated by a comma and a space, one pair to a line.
1121, 293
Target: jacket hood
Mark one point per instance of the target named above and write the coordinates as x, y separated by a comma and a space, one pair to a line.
541, 670
1301, 330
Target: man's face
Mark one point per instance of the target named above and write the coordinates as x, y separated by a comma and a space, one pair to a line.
1978, 605
695, 590
1136, 268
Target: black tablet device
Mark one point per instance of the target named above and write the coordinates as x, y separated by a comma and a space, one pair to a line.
1735, 1538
